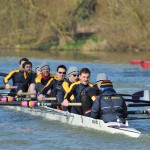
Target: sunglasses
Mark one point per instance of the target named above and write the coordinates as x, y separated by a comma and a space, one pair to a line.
75, 75
62, 72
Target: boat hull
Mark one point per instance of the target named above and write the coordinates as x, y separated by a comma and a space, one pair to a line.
78, 120
135, 62
145, 64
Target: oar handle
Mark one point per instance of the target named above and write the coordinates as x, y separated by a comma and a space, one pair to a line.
28, 93
50, 98
75, 104
13, 87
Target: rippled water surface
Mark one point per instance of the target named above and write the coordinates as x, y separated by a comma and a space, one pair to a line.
20, 131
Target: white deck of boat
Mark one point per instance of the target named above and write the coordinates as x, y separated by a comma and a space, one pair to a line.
78, 120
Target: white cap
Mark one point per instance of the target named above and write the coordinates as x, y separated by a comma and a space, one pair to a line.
72, 70
101, 77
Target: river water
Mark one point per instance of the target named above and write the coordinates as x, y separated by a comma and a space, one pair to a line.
20, 131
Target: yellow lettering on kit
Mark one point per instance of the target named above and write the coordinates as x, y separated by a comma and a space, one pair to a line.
115, 97
106, 97
111, 97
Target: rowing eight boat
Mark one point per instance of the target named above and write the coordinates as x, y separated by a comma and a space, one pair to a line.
78, 120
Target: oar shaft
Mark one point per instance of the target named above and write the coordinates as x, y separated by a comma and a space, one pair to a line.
137, 118
2, 87
138, 101
11, 99
139, 112
22, 103
3, 74
125, 94
137, 105
34, 103
58, 104
8, 94
10, 104
14, 94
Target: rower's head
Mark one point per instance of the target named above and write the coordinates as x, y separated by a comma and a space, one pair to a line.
45, 69
73, 74
61, 72
27, 66
38, 70
106, 85
84, 76
21, 61
100, 77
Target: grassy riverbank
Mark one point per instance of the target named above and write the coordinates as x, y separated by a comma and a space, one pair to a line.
102, 56
76, 25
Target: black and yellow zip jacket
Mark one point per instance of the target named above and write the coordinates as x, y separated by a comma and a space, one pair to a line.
53, 85
15, 75
43, 85
77, 89
26, 80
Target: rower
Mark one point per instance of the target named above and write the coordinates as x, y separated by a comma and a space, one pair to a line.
73, 75
27, 83
53, 85
43, 78
89, 97
78, 89
15, 75
109, 106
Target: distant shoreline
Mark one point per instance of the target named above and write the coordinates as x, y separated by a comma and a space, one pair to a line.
99, 56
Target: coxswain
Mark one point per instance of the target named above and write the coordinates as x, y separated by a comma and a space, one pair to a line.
109, 106
73, 75
15, 75
78, 89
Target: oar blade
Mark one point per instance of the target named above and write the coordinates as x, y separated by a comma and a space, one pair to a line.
142, 95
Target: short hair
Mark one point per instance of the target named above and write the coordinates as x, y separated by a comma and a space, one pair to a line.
23, 59
85, 70
61, 66
26, 63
